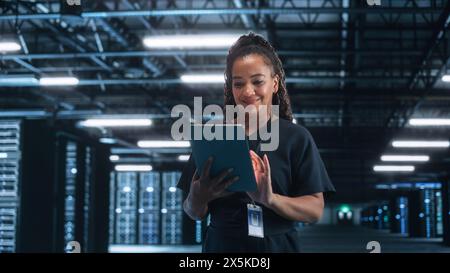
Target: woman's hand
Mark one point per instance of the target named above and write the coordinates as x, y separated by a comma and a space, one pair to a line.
261, 168
205, 188
307, 208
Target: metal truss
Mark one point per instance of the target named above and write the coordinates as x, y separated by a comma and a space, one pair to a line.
426, 75
349, 48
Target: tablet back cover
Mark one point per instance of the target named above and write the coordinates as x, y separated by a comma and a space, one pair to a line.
227, 154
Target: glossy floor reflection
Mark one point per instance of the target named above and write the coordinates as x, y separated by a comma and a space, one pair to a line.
327, 239
354, 239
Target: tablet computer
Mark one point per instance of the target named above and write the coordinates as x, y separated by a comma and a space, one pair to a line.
228, 152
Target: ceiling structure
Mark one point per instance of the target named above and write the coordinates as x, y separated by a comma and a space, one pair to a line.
355, 73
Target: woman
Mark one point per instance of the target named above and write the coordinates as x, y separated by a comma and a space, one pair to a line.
290, 180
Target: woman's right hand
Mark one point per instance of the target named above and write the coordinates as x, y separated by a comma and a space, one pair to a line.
205, 188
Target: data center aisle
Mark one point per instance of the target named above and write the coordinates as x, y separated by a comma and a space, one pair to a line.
329, 239
354, 239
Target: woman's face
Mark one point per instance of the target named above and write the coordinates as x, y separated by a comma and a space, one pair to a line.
252, 81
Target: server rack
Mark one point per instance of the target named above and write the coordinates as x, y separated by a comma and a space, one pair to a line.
377, 211
401, 215
10, 157
376, 216
126, 208
439, 216
199, 228
385, 216
146, 208
172, 209
87, 206
149, 208
415, 221
446, 209
112, 208
46, 189
76, 167
25, 187
70, 196
429, 213
422, 213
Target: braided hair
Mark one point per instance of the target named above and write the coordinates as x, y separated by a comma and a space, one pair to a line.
256, 44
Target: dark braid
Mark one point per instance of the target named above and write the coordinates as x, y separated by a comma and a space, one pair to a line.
255, 44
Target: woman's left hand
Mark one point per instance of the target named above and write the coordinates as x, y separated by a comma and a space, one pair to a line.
261, 168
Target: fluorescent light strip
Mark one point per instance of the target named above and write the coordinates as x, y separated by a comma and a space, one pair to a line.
133, 168
163, 144
429, 122
116, 122
183, 157
406, 158
56, 81
107, 140
42, 8
3, 155
446, 78
205, 78
420, 144
114, 157
18, 80
9, 46
393, 168
190, 41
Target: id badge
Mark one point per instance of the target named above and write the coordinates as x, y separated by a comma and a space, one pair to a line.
255, 221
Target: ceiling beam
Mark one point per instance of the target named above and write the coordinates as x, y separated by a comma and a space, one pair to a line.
186, 53
223, 11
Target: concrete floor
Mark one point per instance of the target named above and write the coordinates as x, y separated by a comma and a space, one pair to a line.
327, 239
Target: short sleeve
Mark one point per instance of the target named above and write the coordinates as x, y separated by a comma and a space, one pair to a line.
186, 176
310, 175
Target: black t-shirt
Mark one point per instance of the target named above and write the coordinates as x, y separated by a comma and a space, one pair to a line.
296, 169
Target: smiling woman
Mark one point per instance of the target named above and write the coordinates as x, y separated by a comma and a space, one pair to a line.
254, 61
290, 180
